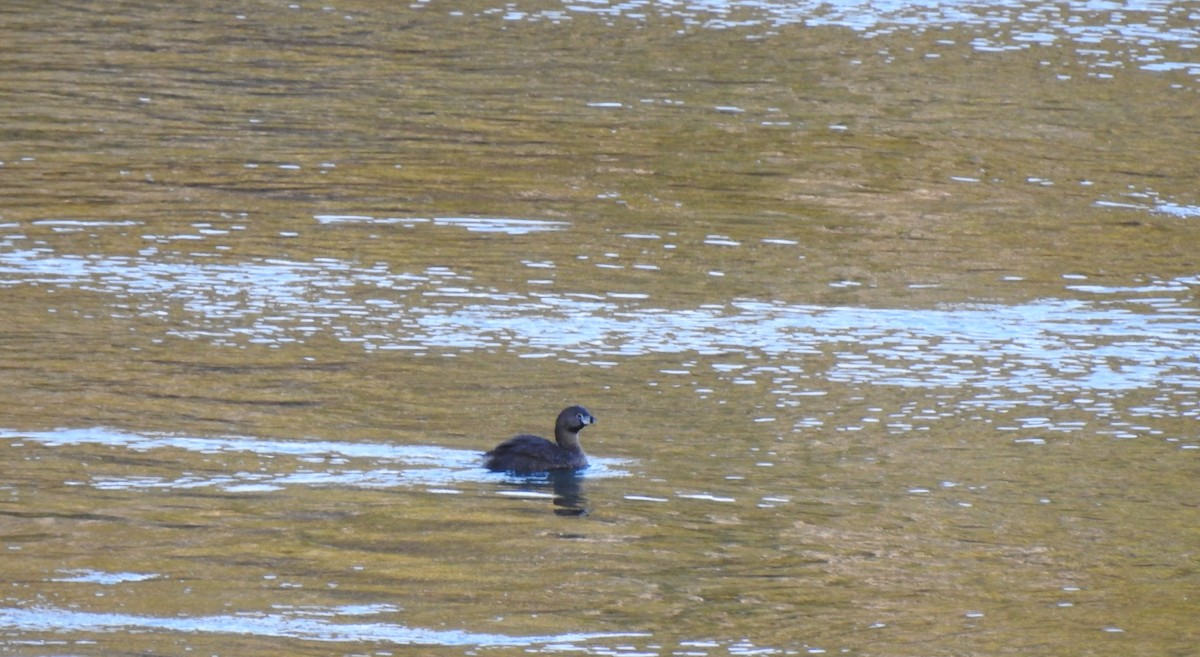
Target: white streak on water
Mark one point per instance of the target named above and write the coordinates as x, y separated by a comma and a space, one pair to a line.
505, 225
281, 625
1058, 344
415, 465
88, 576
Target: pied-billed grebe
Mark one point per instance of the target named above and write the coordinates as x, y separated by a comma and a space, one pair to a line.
524, 454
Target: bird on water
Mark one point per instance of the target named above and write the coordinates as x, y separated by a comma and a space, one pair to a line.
526, 454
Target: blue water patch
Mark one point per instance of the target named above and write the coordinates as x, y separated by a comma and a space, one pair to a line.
1104, 35
505, 225
1084, 21
320, 463
1145, 338
303, 626
88, 576
1151, 202
1063, 344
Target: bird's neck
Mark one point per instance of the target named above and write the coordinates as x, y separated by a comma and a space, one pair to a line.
569, 440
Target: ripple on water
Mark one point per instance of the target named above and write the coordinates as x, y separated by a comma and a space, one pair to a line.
88, 576
1152, 202
350, 624
1049, 344
314, 463
505, 225
308, 624
1104, 33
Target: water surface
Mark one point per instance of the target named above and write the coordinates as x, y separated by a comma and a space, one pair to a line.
886, 310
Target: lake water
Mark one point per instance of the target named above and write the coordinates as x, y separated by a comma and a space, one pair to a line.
887, 312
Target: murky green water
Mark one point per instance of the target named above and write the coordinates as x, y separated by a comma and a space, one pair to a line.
887, 314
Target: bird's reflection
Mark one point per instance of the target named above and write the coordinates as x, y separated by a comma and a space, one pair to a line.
566, 486
568, 493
